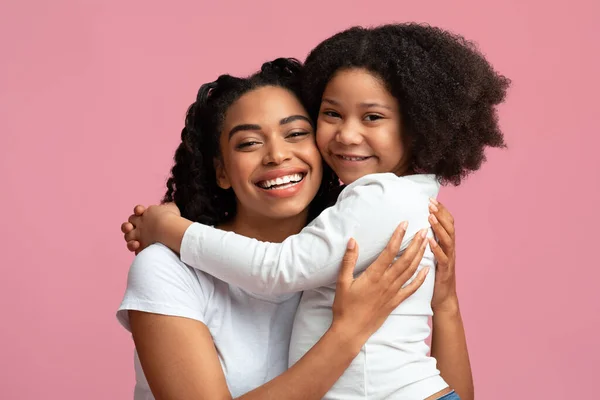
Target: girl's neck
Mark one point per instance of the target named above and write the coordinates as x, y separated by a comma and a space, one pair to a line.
266, 229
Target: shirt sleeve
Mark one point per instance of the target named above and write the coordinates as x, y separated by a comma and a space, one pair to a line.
158, 282
369, 210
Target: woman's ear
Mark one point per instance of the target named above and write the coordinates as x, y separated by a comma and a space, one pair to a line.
222, 178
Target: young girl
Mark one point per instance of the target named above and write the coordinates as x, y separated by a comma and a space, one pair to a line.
201, 338
400, 108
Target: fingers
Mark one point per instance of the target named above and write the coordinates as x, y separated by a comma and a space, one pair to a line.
346, 275
126, 227
438, 252
130, 233
411, 288
404, 269
134, 219
129, 236
416, 261
413, 248
444, 238
133, 233
390, 251
133, 245
442, 214
441, 234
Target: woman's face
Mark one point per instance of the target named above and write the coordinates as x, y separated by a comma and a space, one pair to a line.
269, 156
359, 129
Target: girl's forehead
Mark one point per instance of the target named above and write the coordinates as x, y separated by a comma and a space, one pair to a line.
358, 85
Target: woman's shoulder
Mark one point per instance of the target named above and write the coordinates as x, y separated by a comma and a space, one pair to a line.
159, 265
159, 283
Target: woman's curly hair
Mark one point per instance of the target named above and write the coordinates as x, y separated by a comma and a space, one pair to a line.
446, 89
192, 185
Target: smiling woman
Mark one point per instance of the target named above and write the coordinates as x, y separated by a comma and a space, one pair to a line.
269, 138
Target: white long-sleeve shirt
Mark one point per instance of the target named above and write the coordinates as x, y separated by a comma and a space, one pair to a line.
394, 363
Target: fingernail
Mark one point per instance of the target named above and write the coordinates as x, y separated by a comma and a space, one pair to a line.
424, 233
432, 242
351, 244
404, 225
426, 270
434, 201
433, 219
432, 207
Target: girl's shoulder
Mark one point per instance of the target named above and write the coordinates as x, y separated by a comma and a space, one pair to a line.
381, 184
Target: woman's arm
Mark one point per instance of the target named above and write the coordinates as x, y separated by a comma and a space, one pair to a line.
368, 210
448, 343
179, 359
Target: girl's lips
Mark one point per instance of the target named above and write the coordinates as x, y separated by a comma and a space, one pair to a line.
351, 161
352, 157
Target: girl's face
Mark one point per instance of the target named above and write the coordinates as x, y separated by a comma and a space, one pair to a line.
269, 156
359, 129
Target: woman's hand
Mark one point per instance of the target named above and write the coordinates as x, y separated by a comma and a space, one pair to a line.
142, 226
448, 342
444, 292
362, 305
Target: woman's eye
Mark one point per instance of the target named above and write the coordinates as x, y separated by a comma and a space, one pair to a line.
373, 117
246, 145
295, 135
332, 114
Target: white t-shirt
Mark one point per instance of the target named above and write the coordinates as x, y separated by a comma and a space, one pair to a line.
251, 332
394, 363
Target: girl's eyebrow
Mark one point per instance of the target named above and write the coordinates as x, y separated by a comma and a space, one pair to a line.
363, 105
330, 101
370, 105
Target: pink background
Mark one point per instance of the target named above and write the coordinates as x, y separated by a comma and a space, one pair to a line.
92, 99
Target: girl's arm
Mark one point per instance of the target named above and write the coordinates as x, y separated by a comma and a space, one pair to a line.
180, 361
448, 343
368, 210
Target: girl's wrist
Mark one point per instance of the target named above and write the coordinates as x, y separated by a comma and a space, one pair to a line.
164, 226
171, 229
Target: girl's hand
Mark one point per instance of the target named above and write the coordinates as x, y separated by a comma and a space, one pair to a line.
442, 223
141, 227
361, 305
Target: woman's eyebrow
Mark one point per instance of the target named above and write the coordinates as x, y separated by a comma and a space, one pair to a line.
293, 118
243, 127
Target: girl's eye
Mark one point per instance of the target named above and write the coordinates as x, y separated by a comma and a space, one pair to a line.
246, 145
373, 117
332, 114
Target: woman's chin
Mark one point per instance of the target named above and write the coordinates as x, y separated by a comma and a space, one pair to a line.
288, 211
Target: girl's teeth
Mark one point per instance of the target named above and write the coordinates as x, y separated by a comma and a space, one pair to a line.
354, 158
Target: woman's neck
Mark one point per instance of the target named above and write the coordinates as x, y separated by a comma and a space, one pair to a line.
266, 229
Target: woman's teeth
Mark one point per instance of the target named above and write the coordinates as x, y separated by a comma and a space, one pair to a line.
282, 182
